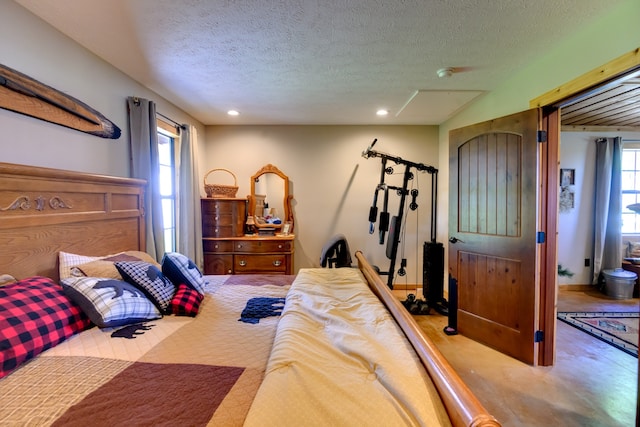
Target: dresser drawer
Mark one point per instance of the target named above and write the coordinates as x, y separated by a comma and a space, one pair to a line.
218, 264
219, 219
263, 246
260, 263
222, 206
220, 231
217, 246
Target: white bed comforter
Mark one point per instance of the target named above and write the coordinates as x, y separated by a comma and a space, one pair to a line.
339, 359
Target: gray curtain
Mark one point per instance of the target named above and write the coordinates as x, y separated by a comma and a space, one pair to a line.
188, 221
607, 240
143, 145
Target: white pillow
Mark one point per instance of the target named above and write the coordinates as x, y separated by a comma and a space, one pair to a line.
67, 260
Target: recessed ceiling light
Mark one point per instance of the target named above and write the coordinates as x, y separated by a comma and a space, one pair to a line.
233, 113
382, 112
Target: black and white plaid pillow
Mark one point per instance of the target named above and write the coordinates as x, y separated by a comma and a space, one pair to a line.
148, 278
110, 302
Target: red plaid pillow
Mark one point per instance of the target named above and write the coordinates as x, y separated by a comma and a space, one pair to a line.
186, 301
35, 315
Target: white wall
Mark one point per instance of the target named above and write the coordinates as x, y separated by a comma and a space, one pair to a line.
610, 36
31, 46
575, 227
332, 184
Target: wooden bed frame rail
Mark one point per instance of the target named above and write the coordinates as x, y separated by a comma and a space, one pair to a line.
463, 407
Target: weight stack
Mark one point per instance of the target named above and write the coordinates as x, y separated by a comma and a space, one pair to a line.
433, 272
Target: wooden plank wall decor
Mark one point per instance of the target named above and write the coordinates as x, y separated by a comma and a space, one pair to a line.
22, 94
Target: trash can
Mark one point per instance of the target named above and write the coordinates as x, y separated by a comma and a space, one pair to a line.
618, 283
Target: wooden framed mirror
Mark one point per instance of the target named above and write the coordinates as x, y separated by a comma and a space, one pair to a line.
270, 201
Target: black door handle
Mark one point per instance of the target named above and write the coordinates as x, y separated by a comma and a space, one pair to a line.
455, 240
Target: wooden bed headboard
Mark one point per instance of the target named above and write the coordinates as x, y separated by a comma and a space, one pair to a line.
44, 211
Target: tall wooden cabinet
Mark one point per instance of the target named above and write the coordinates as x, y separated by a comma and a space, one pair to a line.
227, 250
223, 217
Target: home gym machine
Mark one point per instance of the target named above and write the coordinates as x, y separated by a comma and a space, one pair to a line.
433, 257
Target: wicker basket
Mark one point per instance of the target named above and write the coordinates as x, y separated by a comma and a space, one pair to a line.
220, 190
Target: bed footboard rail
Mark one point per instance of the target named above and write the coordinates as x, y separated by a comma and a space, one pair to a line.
463, 407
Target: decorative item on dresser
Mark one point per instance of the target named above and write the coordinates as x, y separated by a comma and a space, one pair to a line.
220, 190
228, 250
270, 201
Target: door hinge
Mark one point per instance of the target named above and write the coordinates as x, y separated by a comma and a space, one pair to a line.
542, 136
540, 237
538, 336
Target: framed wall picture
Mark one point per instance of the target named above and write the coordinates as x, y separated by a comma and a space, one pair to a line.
567, 200
567, 177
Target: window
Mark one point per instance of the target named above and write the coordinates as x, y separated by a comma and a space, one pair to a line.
630, 189
167, 188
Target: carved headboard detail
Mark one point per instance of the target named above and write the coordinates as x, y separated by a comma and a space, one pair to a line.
44, 211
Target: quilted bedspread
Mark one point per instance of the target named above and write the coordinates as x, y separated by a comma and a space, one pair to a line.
339, 359
172, 371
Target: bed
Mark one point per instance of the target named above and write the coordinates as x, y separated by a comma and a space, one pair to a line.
323, 347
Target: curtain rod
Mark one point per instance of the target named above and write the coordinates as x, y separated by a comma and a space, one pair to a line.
176, 124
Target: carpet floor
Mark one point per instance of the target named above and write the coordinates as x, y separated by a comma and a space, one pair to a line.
618, 329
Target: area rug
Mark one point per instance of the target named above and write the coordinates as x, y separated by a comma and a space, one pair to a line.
618, 329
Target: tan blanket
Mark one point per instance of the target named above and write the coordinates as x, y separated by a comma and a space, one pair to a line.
174, 371
339, 359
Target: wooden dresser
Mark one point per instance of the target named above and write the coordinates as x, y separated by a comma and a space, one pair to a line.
249, 255
227, 250
635, 268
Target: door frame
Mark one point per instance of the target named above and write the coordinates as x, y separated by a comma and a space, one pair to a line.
549, 155
551, 103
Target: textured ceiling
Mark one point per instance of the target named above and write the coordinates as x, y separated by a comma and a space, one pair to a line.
318, 61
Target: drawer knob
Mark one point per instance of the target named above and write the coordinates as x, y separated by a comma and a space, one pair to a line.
277, 263
229, 271
279, 246
242, 263
239, 245
217, 246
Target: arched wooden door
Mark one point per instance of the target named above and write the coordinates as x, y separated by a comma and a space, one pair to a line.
493, 232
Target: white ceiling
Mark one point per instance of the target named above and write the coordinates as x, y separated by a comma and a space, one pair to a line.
318, 61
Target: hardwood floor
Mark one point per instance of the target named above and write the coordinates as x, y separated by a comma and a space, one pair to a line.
590, 384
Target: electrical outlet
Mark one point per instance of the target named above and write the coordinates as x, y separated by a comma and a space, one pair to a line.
587, 262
